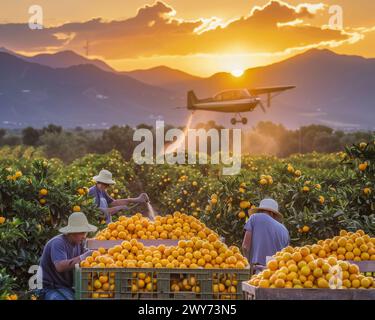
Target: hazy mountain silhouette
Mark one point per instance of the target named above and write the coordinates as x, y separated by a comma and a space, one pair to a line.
33, 94
332, 89
162, 76
62, 59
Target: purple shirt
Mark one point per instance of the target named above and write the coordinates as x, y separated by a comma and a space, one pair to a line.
268, 237
58, 249
102, 200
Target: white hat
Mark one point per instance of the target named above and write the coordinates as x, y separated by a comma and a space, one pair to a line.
77, 223
268, 205
105, 177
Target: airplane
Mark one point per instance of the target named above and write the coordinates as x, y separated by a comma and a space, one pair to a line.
235, 101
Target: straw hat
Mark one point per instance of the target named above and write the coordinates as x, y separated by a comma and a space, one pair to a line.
268, 205
104, 176
77, 223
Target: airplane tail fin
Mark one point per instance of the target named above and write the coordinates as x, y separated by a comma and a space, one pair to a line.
191, 99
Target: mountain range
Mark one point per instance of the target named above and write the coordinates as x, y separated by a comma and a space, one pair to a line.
71, 90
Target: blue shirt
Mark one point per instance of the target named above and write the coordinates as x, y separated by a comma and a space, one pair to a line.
268, 237
102, 200
58, 249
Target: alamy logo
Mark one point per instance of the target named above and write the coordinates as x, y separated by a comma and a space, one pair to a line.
196, 153
36, 18
36, 280
336, 21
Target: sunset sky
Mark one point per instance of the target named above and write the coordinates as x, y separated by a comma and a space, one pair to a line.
199, 37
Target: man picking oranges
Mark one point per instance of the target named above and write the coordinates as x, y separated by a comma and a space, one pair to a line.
105, 203
264, 234
60, 255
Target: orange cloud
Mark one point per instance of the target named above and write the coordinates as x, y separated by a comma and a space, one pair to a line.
155, 31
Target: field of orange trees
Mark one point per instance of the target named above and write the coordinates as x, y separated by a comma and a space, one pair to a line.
318, 194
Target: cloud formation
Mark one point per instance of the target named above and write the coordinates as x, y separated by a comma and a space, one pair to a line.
156, 31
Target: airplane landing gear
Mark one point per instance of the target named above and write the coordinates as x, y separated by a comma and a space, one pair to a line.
242, 120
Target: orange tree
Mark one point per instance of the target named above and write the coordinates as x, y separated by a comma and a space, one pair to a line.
359, 188
32, 208
81, 171
7, 284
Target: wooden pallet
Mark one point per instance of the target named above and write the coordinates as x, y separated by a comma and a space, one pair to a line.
365, 266
255, 293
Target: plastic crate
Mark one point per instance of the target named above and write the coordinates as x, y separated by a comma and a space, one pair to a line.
177, 284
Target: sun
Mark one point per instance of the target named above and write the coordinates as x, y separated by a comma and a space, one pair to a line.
237, 72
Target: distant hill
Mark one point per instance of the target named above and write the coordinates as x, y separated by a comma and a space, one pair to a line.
332, 89
32, 94
62, 59
162, 76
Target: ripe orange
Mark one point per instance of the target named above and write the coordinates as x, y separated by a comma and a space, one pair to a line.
349, 256
291, 276
317, 272
264, 283
322, 253
296, 256
356, 283
305, 270
332, 261
293, 268
366, 282
326, 267
286, 256
342, 242
316, 248
280, 283
266, 274
309, 258
305, 251
97, 284
43, 192
344, 265
272, 265
306, 228
353, 269
312, 265
322, 283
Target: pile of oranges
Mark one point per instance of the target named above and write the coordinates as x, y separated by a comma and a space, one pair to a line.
321, 265
177, 227
296, 270
356, 246
194, 253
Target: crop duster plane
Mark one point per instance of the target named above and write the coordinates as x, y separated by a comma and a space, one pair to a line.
235, 101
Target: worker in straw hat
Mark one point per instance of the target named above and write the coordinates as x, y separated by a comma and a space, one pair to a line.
106, 204
264, 233
60, 255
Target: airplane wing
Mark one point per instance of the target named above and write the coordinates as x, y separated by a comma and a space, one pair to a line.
265, 90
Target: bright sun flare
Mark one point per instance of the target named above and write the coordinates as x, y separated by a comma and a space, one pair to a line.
237, 72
